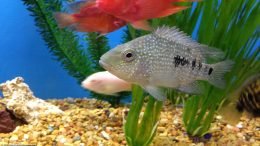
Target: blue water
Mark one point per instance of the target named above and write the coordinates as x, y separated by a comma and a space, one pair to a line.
24, 53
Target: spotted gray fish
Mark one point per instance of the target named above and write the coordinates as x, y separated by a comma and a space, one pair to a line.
166, 58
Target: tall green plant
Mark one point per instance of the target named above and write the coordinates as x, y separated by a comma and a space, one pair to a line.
140, 130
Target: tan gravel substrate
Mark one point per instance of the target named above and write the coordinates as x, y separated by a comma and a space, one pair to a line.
96, 123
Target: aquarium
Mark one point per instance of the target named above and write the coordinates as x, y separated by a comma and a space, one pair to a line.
136, 73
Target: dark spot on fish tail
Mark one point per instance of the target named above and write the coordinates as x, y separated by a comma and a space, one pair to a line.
193, 64
210, 71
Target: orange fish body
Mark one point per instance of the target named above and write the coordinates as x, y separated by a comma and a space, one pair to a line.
89, 19
137, 12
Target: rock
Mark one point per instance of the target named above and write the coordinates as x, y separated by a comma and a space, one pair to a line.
19, 99
7, 124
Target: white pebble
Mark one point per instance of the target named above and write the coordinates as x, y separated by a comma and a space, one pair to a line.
175, 122
239, 125
229, 126
63, 140
26, 136
105, 135
218, 117
14, 138
81, 144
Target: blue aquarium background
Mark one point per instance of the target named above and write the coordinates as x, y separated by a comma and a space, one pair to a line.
24, 53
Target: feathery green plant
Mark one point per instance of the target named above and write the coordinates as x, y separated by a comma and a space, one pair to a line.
65, 45
97, 46
62, 43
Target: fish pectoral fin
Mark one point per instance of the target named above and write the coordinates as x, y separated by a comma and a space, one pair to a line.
193, 87
170, 11
63, 19
156, 92
141, 25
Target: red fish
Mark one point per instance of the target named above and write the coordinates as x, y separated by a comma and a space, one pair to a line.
88, 18
137, 12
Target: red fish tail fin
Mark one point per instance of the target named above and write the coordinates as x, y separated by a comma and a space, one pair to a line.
64, 19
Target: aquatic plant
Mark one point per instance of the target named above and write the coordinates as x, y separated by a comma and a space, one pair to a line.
232, 26
140, 130
67, 46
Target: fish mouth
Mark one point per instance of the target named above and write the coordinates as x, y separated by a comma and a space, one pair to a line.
104, 65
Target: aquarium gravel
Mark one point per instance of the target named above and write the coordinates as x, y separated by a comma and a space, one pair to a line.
96, 123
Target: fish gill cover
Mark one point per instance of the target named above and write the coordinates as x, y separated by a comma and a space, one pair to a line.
230, 25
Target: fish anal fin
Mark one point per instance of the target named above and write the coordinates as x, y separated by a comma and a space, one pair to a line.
144, 25
156, 92
193, 88
170, 11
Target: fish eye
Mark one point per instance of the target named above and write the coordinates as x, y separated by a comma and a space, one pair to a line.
128, 55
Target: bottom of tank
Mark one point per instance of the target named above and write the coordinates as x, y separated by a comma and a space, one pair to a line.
93, 122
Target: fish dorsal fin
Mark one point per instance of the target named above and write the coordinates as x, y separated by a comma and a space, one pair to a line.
175, 35
76, 6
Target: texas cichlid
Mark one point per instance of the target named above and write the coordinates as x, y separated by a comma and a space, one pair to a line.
166, 58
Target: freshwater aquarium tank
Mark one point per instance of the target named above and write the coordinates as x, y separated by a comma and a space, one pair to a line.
137, 72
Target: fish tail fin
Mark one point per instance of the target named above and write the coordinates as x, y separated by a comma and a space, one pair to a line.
230, 114
218, 72
63, 19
